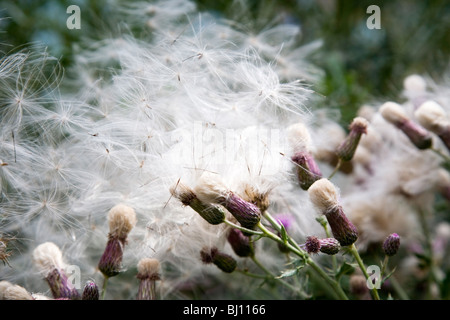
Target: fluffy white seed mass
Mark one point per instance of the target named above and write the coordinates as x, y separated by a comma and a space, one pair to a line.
149, 267
47, 257
393, 112
194, 98
324, 195
16, 292
122, 219
432, 116
415, 83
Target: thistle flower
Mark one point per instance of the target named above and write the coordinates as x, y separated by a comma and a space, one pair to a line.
419, 136
358, 287
240, 243
211, 213
223, 261
434, 118
90, 291
122, 220
257, 196
391, 244
347, 148
307, 169
329, 246
210, 189
324, 196
48, 259
148, 274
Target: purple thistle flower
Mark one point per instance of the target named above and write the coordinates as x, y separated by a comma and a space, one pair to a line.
246, 213
307, 169
90, 291
328, 246
391, 244
60, 285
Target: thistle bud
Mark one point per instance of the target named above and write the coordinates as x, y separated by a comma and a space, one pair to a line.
312, 244
212, 190
240, 243
419, 136
245, 212
434, 118
223, 261
324, 196
391, 244
148, 274
359, 288
347, 148
90, 291
122, 220
48, 259
328, 246
307, 169
212, 214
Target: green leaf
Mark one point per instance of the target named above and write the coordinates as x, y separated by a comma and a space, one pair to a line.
284, 235
298, 264
346, 268
288, 273
388, 276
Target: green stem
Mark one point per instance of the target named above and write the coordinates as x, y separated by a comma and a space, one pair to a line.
384, 266
276, 225
250, 274
434, 277
336, 169
336, 287
273, 277
105, 284
441, 154
398, 288
358, 259
254, 232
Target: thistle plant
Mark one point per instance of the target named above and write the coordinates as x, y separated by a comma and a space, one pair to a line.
192, 158
48, 259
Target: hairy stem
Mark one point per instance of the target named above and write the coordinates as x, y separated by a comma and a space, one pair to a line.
358, 259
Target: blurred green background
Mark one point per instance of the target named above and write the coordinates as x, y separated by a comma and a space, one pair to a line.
361, 65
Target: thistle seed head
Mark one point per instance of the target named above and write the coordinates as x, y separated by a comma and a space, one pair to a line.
346, 150
324, 195
121, 219
149, 268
